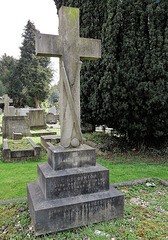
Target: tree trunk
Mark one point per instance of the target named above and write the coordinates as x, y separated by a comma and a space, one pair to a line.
36, 102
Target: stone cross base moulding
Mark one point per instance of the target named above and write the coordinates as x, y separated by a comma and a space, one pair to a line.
72, 190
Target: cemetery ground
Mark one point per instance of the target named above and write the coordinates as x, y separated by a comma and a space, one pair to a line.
146, 208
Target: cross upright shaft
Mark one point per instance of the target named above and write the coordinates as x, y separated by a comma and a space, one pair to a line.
70, 48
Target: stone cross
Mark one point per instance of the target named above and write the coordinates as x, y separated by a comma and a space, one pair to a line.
6, 100
70, 48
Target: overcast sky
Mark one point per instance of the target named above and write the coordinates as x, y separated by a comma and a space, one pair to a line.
14, 15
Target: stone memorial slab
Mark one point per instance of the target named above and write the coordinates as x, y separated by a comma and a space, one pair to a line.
72, 190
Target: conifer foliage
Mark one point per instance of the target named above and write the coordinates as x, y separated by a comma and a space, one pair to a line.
35, 72
128, 88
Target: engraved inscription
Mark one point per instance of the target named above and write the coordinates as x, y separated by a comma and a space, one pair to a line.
84, 211
86, 183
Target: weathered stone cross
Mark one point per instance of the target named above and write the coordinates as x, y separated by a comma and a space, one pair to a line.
70, 48
6, 100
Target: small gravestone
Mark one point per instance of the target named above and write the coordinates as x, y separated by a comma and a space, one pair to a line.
51, 118
52, 110
11, 111
72, 189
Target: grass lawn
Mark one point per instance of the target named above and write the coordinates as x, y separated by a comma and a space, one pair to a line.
134, 167
14, 176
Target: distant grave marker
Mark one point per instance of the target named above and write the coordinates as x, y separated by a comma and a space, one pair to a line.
6, 100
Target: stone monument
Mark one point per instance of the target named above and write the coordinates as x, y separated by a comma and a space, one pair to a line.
6, 100
52, 110
72, 189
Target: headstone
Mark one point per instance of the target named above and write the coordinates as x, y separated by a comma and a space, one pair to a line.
0, 111
72, 190
52, 110
6, 100
11, 111
22, 111
16, 124
51, 118
37, 118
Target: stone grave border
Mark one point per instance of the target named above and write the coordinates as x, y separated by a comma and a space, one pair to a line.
19, 154
120, 184
46, 141
48, 132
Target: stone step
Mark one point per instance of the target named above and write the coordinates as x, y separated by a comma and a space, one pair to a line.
72, 182
61, 158
65, 213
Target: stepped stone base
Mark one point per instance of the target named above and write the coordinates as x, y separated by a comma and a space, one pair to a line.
72, 182
72, 191
61, 158
66, 213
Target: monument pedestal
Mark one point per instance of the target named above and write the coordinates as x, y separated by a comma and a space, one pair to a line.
72, 197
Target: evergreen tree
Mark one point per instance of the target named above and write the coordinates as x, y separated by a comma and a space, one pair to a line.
2, 89
137, 76
9, 78
35, 72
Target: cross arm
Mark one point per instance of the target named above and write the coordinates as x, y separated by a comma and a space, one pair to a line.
48, 45
90, 48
